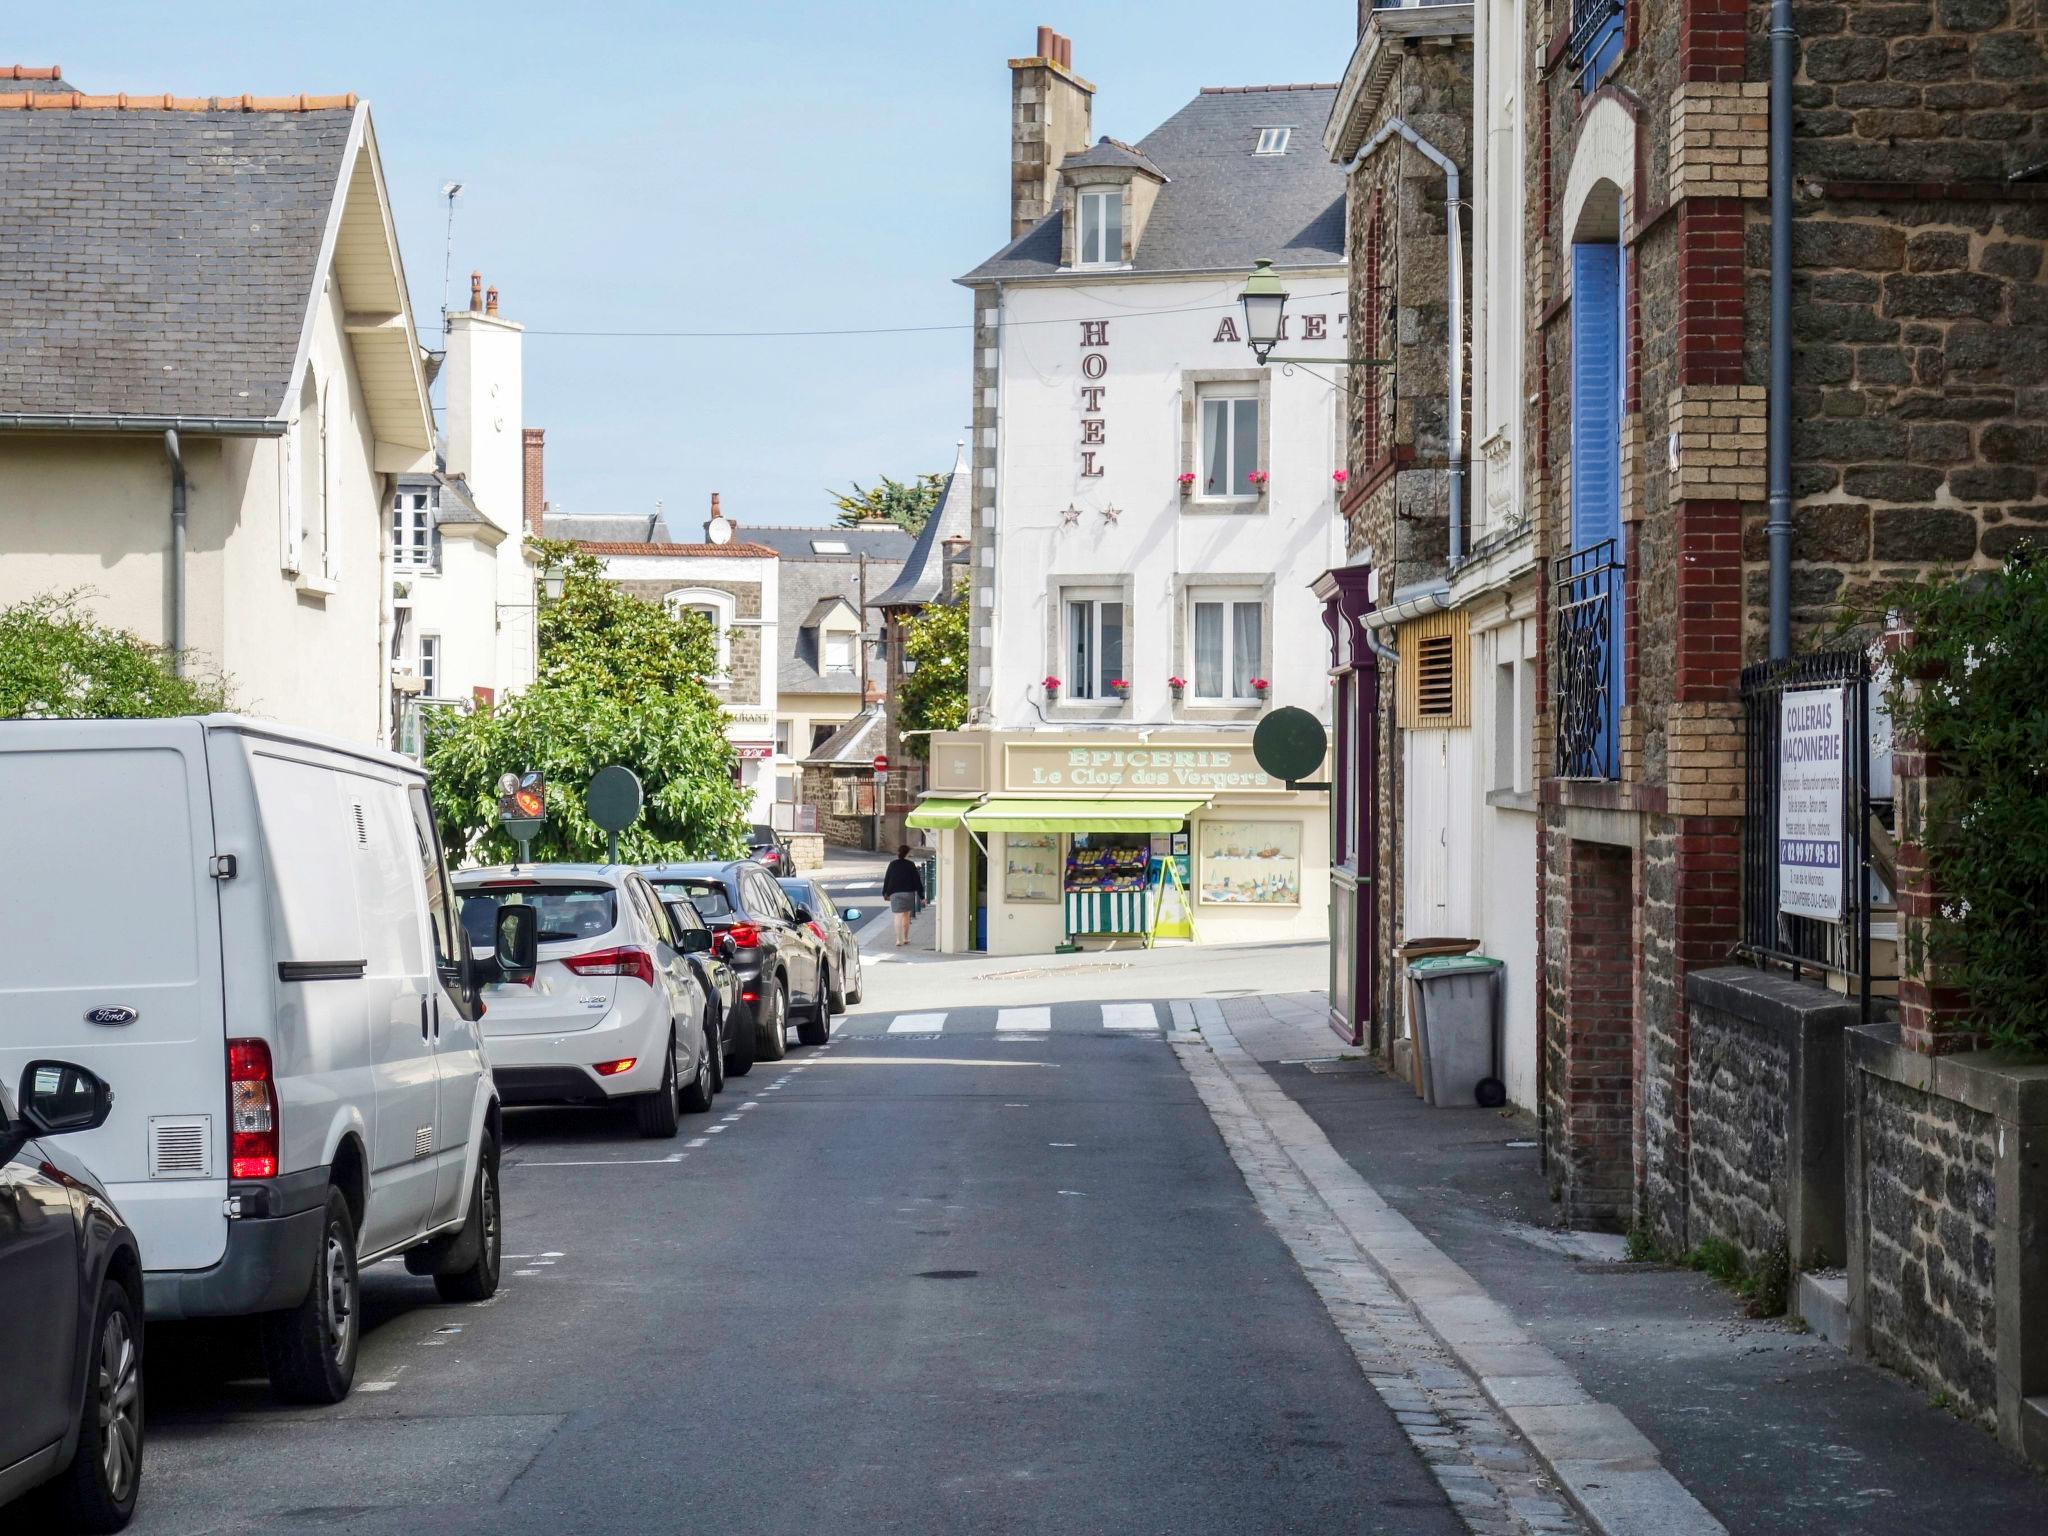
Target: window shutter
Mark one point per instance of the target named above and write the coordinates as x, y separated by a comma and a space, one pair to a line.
1596, 393
1435, 672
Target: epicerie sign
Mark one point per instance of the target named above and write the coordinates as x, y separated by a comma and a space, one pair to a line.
1810, 776
1149, 767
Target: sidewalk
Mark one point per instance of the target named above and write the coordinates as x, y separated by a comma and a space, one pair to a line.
1770, 1429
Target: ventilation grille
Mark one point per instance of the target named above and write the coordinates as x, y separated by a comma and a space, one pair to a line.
180, 1147
1436, 682
1435, 670
362, 824
423, 1141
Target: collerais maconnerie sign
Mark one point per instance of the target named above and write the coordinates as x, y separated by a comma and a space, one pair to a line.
1146, 768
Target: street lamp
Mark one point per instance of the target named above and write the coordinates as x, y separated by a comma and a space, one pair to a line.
1265, 308
551, 580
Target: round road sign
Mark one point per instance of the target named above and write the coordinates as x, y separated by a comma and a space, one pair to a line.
881, 763
1290, 743
613, 798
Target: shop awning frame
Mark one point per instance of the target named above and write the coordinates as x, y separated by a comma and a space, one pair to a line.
1015, 813
937, 812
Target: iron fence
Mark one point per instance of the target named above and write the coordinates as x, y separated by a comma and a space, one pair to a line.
1771, 935
1590, 19
1584, 585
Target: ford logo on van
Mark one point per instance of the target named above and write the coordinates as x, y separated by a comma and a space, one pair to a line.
113, 1013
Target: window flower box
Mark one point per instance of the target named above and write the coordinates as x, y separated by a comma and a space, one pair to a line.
1179, 686
1261, 686
1052, 689
1120, 687
1258, 478
1186, 481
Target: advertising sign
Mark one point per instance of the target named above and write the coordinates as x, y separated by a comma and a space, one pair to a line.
1811, 741
1137, 768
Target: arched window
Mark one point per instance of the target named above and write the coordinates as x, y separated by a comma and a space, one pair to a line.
715, 607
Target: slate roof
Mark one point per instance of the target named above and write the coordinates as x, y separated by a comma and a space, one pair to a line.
46, 81
1222, 207
159, 260
924, 576
736, 551
878, 541
607, 527
806, 588
855, 743
1108, 151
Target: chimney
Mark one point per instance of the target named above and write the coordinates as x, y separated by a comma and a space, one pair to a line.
1051, 111
536, 505
483, 387
953, 565
476, 292
718, 528
491, 300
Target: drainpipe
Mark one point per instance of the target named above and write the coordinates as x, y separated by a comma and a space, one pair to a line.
1778, 529
1454, 264
177, 458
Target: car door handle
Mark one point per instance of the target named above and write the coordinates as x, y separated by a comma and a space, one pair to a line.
423, 1015
436, 1002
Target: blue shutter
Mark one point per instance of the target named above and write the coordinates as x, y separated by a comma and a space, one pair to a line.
1597, 382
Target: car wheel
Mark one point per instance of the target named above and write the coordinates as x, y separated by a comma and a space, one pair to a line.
96, 1492
853, 992
836, 997
739, 1061
815, 1028
311, 1350
697, 1093
658, 1113
773, 1042
485, 1228
714, 1044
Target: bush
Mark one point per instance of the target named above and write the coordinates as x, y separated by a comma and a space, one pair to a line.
59, 663
1970, 692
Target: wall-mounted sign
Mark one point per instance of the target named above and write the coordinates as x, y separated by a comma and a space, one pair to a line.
1094, 364
1138, 768
1811, 773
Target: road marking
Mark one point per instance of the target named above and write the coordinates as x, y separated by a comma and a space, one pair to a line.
1129, 1016
1039, 1019
602, 1162
375, 1386
730, 1120
1060, 1143
922, 1061
696, 1141
713, 1130
750, 1104
917, 1024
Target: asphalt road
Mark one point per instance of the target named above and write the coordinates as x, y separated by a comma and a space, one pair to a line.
966, 1280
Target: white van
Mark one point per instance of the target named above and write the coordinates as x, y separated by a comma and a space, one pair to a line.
247, 932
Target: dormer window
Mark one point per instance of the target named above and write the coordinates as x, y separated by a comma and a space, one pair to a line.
1273, 141
1101, 242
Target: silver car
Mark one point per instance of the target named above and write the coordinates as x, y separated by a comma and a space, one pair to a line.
832, 926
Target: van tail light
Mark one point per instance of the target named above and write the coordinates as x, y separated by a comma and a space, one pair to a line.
746, 935
252, 1111
628, 961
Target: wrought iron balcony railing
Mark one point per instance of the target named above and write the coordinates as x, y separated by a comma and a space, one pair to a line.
1590, 19
1584, 585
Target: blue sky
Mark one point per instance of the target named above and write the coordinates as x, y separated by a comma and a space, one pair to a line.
691, 166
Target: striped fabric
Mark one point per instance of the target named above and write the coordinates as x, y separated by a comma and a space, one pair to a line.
1107, 912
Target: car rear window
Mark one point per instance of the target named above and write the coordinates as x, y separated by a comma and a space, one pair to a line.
761, 832
564, 912
709, 897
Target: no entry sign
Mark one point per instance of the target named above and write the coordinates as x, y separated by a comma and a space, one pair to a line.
881, 763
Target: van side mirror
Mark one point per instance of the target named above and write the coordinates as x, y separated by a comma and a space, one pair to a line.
517, 935
57, 1099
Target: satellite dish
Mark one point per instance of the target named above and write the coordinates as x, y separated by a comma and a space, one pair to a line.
1290, 744
719, 530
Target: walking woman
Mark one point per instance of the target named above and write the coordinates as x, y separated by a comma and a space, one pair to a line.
902, 885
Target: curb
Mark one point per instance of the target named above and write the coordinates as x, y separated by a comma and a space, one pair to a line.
1606, 1467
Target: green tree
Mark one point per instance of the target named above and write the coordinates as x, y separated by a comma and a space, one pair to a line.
58, 663
933, 694
618, 681
909, 507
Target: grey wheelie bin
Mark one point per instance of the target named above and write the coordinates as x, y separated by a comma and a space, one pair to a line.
1457, 1016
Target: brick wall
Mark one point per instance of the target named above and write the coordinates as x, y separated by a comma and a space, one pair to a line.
1589, 1033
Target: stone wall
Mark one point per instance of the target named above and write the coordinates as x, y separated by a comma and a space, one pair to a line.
840, 831
741, 683
1739, 1151
1929, 1202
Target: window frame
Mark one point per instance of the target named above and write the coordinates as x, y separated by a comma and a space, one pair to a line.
428, 663
1279, 145
1101, 198
1233, 398
414, 538
1095, 689
723, 607
850, 638
1229, 599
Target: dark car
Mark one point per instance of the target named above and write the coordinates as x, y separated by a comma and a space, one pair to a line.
784, 972
70, 1315
833, 929
720, 982
769, 848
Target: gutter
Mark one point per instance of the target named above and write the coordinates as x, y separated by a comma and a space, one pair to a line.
195, 426
1454, 413
1778, 449
175, 454
1432, 600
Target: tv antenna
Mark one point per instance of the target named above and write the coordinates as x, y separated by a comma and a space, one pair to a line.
450, 190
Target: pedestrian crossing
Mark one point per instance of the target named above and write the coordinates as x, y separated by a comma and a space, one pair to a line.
1022, 1023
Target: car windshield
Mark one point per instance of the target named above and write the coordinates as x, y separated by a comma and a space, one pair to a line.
709, 897
760, 834
564, 912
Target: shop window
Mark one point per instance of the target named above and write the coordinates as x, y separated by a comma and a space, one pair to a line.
1228, 648
1031, 866
1251, 863
1095, 646
1229, 446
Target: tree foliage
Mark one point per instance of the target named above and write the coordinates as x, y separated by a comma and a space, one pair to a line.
618, 680
909, 507
1968, 691
59, 663
933, 696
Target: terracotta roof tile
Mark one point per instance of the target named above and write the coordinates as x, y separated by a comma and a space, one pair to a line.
57, 101
730, 551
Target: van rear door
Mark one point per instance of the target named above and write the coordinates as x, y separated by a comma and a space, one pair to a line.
110, 957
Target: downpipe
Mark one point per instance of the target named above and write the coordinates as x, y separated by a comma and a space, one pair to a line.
175, 454
1778, 452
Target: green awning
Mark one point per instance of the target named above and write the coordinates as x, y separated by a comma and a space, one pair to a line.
1017, 815
940, 811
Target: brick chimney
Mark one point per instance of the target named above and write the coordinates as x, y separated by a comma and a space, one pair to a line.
718, 528
1051, 110
535, 492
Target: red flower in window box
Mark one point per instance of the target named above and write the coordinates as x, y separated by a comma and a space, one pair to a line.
1340, 475
1178, 685
1261, 685
1051, 686
1187, 482
1257, 477
1120, 687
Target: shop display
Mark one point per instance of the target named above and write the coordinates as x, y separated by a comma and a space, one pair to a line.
1251, 863
1031, 867
1107, 882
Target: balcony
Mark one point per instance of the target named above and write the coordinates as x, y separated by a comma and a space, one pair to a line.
1595, 35
1584, 614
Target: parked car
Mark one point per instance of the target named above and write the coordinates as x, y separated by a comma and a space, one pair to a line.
612, 1010
255, 925
834, 930
782, 968
770, 848
722, 1020
71, 1318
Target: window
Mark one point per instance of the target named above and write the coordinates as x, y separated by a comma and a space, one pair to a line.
326, 489
820, 734
829, 547
1229, 647
715, 608
1101, 237
1230, 447
412, 531
1095, 646
430, 666
1273, 141
434, 877
1595, 40
838, 651
782, 738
